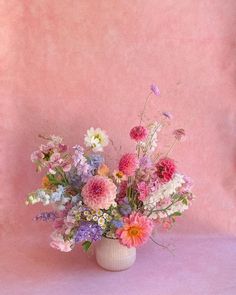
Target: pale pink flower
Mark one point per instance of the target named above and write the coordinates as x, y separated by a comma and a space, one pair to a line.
136, 230
37, 156
143, 191
59, 243
57, 162
99, 192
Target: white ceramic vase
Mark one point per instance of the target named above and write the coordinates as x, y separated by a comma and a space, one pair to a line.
111, 255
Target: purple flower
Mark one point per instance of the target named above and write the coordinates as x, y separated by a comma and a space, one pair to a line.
125, 209
84, 170
95, 160
145, 162
45, 216
88, 231
155, 89
167, 115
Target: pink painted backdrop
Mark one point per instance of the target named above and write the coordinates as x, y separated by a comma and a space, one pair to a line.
67, 65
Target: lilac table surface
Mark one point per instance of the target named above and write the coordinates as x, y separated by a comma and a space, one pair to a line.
197, 265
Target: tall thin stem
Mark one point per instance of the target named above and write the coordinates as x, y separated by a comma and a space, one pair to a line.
171, 147
144, 108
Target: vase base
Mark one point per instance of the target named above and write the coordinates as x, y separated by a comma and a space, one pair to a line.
112, 256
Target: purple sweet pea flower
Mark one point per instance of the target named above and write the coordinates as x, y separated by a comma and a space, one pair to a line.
45, 216
167, 115
145, 162
155, 89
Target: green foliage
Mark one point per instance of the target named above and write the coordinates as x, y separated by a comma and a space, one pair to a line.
175, 214
86, 245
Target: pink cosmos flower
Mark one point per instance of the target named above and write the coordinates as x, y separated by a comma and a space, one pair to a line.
138, 133
99, 192
136, 230
128, 164
165, 169
143, 191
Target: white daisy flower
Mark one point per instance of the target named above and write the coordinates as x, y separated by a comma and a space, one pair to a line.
96, 139
101, 221
89, 217
95, 218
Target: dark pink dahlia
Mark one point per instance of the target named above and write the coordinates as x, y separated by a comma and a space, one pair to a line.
165, 169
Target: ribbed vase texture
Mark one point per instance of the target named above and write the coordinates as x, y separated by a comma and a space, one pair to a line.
111, 255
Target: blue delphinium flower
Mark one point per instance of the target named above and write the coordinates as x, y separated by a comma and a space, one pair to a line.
125, 209
95, 160
88, 231
75, 199
117, 223
58, 195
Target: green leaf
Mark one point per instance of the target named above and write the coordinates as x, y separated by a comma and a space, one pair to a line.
185, 202
86, 245
176, 214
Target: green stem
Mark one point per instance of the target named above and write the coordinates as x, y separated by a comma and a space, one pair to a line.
164, 209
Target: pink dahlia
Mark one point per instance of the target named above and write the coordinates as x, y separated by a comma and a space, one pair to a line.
99, 192
138, 133
136, 230
165, 169
128, 164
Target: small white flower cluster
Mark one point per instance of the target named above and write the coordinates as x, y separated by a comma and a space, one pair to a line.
57, 198
38, 196
164, 191
177, 207
150, 144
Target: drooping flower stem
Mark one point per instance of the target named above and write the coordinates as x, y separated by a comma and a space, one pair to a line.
144, 108
164, 209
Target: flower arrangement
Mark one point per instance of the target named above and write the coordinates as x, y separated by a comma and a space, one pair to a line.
88, 201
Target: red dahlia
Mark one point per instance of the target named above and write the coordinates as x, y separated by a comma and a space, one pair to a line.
165, 169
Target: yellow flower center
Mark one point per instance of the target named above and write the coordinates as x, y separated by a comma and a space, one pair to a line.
98, 136
134, 231
119, 174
